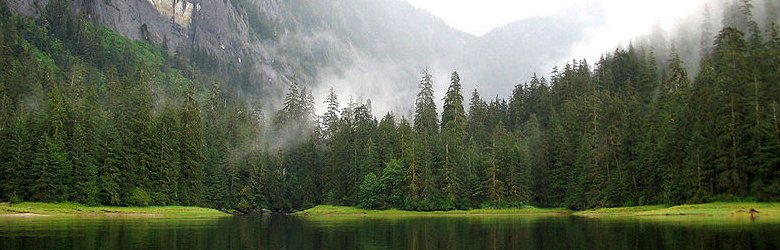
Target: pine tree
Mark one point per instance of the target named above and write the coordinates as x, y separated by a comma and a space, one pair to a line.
109, 169
340, 160
411, 165
331, 115
678, 178
85, 150
473, 176
701, 148
560, 158
217, 178
518, 108
539, 169
495, 184
168, 130
54, 176
392, 185
18, 178
729, 58
369, 195
453, 116
454, 135
192, 152
518, 178
388, 141
425, 116
426, 125
478, 119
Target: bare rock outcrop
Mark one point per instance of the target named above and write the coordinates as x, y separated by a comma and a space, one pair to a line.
217, 29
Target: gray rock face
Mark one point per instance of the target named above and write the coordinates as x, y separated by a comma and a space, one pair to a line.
211, 27
27, 7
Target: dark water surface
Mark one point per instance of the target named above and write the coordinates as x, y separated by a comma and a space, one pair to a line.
457, 232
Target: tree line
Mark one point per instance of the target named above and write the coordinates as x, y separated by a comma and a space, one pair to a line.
91, 117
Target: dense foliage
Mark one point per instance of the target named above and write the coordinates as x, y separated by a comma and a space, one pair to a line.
91, 117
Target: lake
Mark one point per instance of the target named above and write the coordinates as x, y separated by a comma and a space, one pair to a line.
454, 232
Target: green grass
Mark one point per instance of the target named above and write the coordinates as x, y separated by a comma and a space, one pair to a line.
329, 210
619, 211
73, 209
718, 209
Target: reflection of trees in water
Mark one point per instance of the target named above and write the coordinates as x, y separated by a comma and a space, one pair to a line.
488, 232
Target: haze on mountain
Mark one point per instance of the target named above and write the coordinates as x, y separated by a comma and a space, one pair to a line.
366, 49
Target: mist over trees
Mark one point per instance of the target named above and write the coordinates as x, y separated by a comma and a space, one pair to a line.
91, 117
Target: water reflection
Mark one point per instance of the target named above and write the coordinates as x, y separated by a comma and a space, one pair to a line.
458, 232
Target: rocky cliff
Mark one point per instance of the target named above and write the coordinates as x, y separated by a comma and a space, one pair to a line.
273, 42
367, 48
216, 29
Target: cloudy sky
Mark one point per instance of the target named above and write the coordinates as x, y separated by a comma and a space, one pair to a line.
623, 19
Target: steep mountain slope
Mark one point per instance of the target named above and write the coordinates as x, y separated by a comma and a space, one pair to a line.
367, 48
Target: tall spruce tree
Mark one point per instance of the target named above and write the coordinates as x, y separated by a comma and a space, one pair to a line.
191, 187
453, 125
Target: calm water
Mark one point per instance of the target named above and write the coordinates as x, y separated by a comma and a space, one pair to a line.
488, 232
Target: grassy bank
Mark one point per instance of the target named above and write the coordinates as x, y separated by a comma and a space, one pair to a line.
716, 209
39, 209
329, 210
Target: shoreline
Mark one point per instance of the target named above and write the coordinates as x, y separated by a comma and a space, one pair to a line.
346, 211
753, 210
56, 210
715, 209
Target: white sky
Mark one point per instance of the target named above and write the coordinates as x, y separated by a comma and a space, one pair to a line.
624, 19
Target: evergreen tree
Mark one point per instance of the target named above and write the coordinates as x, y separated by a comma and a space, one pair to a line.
518, 108
168, 171
85, 151
54, 173
425, 116
478, 119
454, 135
678, 178
426, 126
392, 185
369, 192
331, 116
729, 58
192, 152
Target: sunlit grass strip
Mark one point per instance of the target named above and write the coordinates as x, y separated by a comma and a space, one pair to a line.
330, 210
73, 209
619, 211
719, 209
707, 209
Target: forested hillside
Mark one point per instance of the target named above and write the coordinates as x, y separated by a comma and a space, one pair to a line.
89, 116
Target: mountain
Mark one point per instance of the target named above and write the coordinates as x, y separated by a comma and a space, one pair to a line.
510, 54
367, 48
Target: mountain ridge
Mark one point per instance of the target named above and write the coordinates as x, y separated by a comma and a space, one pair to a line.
261, 46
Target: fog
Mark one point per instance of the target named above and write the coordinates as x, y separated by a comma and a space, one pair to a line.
376, 50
